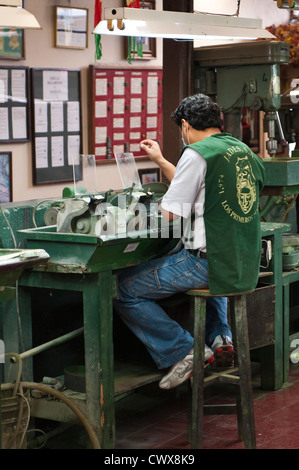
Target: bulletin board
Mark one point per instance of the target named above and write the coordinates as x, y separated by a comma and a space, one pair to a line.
57, 126
14, 86
126, 107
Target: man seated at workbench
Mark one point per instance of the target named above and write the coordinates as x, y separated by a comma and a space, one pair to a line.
215, 187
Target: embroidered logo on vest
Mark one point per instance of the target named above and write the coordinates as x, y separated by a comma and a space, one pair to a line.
245, 194
246, 191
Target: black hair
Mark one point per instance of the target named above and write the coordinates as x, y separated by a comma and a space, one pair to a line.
199, 111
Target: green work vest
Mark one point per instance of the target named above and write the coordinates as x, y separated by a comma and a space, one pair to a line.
234, 177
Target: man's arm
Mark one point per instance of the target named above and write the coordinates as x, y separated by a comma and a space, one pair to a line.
152, 149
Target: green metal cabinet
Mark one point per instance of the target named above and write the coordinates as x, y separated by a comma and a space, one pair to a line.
275, 357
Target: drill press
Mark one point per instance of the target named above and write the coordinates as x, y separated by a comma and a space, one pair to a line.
244, 75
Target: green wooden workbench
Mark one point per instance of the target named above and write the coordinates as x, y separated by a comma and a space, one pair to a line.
275, 361
85, 264
12, 264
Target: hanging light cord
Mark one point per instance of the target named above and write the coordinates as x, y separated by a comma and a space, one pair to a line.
220, 14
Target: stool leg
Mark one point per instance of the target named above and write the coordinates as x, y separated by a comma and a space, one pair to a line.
246, 396
198, 373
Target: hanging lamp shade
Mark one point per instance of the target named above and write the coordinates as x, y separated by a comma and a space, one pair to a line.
12, 15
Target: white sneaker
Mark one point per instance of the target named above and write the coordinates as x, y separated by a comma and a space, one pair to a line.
183, 370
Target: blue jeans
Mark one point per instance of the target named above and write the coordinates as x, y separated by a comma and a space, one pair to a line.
141, 286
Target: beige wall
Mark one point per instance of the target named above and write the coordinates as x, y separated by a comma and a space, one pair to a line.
41, 52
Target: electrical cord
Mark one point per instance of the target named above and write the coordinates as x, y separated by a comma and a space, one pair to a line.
44, 434
18, 385
286, 213
36, 207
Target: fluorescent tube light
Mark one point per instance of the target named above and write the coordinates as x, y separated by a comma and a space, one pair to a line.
12, 15
177, 25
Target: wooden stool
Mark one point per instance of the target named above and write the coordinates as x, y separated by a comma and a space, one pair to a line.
244, 397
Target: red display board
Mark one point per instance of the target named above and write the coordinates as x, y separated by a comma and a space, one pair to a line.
126, 107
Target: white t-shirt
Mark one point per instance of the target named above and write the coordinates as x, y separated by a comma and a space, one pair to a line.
186, 196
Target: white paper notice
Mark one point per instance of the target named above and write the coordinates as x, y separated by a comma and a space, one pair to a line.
101, 109
134, 148
135, 122
136, 85
118, 122
135, 136
18, 85
118, 149
101, 86
55, 85
41, 152
151, 135
4, 134
73, 116
152, 87
152, 106
119, 85
101, 150
118, 106
57, 154
101, 135
118, 136
71, 38
151, 122
3, 86
19, 122
135, 105
73, 149
57, 124
41, 116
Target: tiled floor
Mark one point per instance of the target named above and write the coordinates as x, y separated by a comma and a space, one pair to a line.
154, 419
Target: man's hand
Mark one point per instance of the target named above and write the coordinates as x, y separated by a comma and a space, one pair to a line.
152, 149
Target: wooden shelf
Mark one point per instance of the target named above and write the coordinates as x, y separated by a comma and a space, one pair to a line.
127, 378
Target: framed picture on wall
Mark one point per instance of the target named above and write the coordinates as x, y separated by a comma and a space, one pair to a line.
71, 27
5, 177
147, 45
149, 175
12, 42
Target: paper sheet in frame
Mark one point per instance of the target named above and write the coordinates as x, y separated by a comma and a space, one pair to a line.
18, 85
41, 152
3, 86
55, 85
4, 131
19, 122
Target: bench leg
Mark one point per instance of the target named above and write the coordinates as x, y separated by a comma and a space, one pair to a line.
246, 396
199, 311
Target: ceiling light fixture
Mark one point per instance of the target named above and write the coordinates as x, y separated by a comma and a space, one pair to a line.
177, 25
12, 15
